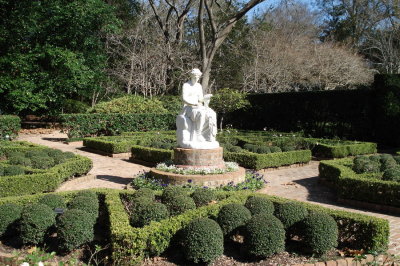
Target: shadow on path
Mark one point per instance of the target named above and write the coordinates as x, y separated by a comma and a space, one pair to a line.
114, 179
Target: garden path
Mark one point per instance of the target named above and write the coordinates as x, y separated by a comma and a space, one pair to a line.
299, 183
107, 172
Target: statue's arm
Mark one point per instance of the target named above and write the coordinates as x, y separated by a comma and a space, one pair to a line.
188, 97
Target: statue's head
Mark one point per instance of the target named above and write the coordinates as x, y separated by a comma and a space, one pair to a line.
195, 73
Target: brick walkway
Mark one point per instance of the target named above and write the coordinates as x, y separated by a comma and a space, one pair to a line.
300, 183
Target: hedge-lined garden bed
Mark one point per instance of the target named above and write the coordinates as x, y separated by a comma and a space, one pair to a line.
9, 126
132, 241
27, 168
132, 244
367, 186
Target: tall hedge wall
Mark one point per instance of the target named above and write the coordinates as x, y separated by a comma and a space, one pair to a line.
364, 114
86, 125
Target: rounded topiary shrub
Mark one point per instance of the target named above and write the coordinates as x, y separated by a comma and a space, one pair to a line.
263, 149
36, 220
203, 196
149, 211
235, 149
36, 153
290, 213
264, 236
180, 204
232, 216
319, 232
74, 228
19, 160
259, 205
362, 164
392, 174
53, 201
13, 170
387, 162
144, 192
202, 240
275, 149
87, 204
171, 192
44, 162
9, 215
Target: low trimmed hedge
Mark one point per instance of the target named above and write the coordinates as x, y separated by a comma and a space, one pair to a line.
86, 125
348, 148
122, 144
131, 245
152, 155
40, 180
260, 161
9, 125
350, 185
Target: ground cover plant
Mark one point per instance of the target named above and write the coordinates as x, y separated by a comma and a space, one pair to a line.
27, 168
133, 243
373, 179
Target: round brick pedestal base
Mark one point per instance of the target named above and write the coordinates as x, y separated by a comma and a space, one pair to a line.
201, 180
196, 158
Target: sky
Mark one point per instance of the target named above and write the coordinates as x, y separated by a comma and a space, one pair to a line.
272, 3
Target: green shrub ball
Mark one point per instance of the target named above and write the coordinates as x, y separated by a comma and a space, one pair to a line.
290, 213
171, 192
392, 174
144, 192
264, 235
53, 201
87, 204
44, 162
147, 212
203, 196
259, 205
203, 241
232, 216
19, 160
320, 233
74, 228
36, 219
13, 170
9, 215
180, 204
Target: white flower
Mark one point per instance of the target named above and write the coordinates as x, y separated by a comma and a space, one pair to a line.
40, 263
24, 264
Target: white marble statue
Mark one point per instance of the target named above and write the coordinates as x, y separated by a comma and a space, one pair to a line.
197, 123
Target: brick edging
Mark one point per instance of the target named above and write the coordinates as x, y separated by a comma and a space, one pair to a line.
348, 261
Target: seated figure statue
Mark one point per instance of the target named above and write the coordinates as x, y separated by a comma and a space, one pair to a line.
197, 123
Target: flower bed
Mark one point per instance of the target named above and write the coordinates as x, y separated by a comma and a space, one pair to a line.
166, 167
27, 168
364, 187
133, 244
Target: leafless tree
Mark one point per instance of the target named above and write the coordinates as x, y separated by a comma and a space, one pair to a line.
288, 56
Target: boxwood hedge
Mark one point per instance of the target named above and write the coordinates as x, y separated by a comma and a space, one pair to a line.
353, 186
40, 180
130, 245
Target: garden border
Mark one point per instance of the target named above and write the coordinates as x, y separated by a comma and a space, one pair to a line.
353, 187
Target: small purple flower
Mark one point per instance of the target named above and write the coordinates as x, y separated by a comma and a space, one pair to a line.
190, 181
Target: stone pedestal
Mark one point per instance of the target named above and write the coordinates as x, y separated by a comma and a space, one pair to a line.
196, 158
212, 181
